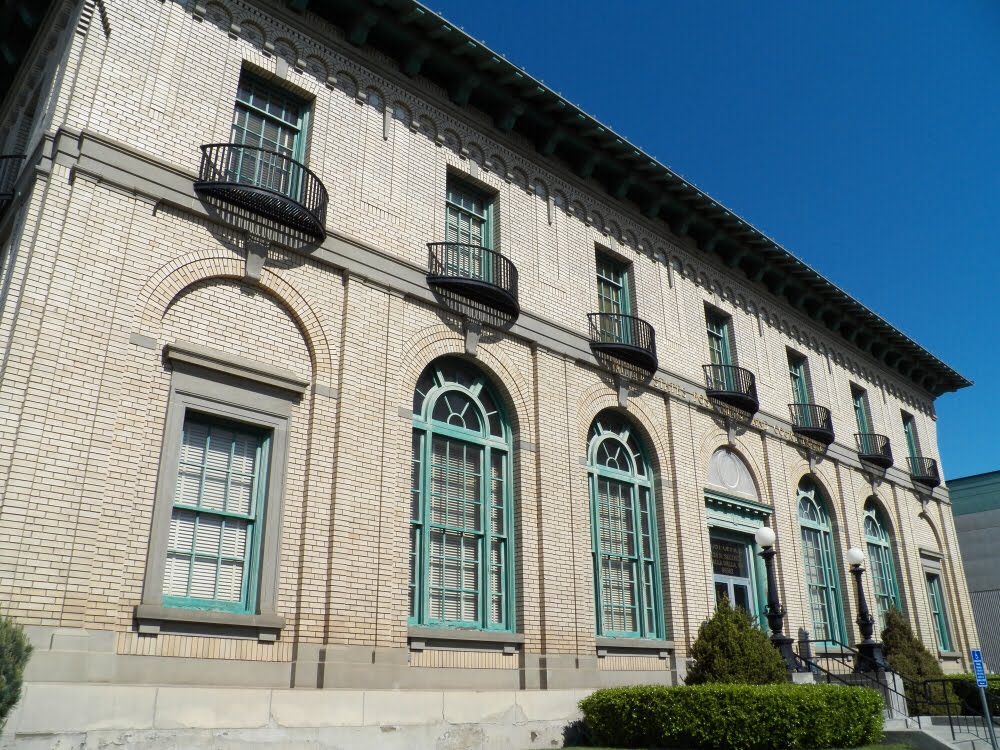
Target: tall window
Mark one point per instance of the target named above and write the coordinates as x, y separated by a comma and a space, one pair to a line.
881, 562
719, 350
822, 582
268, 118
468, 215
623, 531
461, 557
910, 431
214, 541
613, 297
862, 415
936, 600
798, 371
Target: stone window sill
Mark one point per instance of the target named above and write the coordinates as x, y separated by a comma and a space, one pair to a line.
152, 618
421, 638
949, 655
634, 645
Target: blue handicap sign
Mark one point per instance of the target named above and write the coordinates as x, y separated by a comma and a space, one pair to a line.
977, 667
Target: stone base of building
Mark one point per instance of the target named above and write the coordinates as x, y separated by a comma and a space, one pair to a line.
85, 716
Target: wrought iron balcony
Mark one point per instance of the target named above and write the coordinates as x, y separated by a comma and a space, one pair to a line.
812, 421
733, 386
874, 449
624, 337
924, 471
265, 182
10, 166
475, 272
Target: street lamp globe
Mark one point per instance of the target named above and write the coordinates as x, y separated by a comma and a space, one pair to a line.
764, 536
855, 556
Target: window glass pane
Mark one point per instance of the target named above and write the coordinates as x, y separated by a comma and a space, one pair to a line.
460, 513
467, 219
210, 538
822, 586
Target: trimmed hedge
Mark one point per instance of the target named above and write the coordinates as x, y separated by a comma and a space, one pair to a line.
14, 653
734, 717
730, 649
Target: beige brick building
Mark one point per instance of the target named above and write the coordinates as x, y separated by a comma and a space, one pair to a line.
256, 434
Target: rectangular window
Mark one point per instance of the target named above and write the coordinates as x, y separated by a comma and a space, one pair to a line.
468, 215
798, 371
719, 338
936, 600
214, 539
861, 413
910, 431
613, 294
272, 124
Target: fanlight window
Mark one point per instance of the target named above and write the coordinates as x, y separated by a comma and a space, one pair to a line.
627, 586
880, 561
461, 518
822, 581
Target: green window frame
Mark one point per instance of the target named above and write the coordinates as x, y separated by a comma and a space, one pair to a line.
461, 517
213, 547
627, 582
910, 432
798, 372
881, 561
719, 338
822, 580
614, 297
269, 118
862, 414
935, 598
468, 215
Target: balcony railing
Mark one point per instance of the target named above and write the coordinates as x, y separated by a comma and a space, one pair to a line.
812, 421
732, 385
874, 449
10, 166
265, 182
475, 272
924, 471
624, 337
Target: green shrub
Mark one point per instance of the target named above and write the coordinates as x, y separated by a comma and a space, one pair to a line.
14, 653
908, 656
967, 692
734, 717
729, 649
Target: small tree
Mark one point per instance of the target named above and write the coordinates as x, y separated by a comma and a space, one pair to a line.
730, 649
14, 653
908, 657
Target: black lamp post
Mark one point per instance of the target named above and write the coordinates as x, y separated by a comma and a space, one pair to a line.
870, 657
774, 612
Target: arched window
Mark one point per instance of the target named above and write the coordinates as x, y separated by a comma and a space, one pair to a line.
822, 582
881, 562
623, 529
461, 517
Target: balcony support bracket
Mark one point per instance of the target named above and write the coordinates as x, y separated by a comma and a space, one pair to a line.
256, 258
473, 329
622, 393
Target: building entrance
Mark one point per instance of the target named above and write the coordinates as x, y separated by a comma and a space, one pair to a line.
732, 572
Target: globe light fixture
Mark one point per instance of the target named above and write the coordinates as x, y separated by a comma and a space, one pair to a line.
855, 556
775, 613
870, 657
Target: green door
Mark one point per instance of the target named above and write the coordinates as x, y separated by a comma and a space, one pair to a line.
719, 352
910, 430
468, 219
268, 119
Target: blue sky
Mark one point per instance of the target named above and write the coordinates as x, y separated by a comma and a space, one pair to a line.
864, 137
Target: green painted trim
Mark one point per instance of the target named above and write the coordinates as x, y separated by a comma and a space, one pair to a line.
488, 446
749, 506
638, 484
935, 598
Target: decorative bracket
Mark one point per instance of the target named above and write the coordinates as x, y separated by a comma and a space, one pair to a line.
473, 329
256, 258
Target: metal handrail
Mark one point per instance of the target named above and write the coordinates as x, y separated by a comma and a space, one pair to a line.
730, 379
873, 445
924, 468
627, 330
811, 417
267, 171
459, 260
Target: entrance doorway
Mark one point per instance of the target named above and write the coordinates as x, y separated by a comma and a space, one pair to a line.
732, 572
